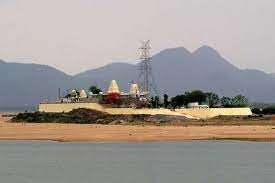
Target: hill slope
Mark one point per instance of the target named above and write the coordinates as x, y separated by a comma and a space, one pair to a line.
176, 70
27, 84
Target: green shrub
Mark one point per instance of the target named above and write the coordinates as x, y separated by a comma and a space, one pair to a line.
256, 111
269, 110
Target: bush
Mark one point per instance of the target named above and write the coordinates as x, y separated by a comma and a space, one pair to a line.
256, 111
79, 116
269, 110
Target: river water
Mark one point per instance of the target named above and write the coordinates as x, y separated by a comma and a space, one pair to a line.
148, 162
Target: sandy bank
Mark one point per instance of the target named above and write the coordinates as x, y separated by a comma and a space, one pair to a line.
113, 133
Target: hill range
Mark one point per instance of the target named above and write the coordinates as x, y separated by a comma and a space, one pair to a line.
175, 71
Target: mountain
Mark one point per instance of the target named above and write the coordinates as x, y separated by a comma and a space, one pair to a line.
175, 70
27, 84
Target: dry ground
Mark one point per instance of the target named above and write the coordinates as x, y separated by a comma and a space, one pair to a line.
210, 130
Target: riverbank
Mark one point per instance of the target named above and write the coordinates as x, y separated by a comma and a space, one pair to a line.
131, 133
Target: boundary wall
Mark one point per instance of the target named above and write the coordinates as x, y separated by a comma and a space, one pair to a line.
189, 113
67, 107
214, 112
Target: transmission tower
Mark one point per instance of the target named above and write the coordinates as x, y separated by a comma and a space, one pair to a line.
146, 79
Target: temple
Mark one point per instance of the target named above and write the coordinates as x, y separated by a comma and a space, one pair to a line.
113, 97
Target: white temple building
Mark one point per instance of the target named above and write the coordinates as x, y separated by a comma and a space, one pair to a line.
82, 94
134, 89
113, 87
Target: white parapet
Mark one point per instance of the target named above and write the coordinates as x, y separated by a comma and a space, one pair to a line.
203, 113
214, 112
67, 107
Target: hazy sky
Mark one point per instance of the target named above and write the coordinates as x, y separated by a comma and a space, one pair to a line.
76, 35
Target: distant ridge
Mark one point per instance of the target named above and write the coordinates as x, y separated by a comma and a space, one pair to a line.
28, 84
176, 70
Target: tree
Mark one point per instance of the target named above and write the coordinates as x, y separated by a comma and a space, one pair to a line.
195, 96
239, 101
166, 102
95, 90
178, 101
152, 102
156, 102
226, 102
212, 99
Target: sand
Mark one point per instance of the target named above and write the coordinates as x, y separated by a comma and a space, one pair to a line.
127, 133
